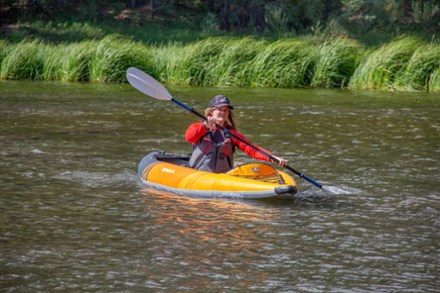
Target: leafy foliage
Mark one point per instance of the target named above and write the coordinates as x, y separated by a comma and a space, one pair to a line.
363, 19
276, 43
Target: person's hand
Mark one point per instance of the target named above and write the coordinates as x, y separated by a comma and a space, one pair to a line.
210, 122
280, 161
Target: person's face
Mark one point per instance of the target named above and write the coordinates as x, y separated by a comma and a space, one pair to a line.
221, 114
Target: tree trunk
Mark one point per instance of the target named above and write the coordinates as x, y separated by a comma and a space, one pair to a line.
224, 16
407, 11
258, 17
135, 3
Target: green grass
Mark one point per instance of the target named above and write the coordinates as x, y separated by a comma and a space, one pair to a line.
405, 64
5, 48
337, 60
285, 63
77, 60
166, 62
23, 61
98, 61
420, 69
231, 66
434, 81
114, 55
52, 67
197, 61
382, 68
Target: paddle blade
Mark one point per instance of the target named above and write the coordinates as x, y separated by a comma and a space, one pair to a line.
147, 84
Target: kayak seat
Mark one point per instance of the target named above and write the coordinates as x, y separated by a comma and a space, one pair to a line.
181, 160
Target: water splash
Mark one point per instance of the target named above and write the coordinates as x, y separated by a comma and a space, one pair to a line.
338, 190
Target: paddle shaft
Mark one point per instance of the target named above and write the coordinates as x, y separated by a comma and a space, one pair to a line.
300, 174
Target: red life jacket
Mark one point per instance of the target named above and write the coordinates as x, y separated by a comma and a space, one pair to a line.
214, 152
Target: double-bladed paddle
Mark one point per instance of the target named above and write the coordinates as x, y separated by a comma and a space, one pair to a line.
151, 87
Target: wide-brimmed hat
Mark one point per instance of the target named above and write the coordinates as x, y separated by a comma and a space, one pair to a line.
220, 101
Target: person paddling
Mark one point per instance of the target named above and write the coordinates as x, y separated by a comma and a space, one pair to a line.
213, 148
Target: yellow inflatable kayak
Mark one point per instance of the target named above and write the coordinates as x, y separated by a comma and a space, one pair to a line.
170, 172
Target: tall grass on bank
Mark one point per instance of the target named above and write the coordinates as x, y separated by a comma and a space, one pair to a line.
336, 62
166, 60
24, 61
5, 48
211, 62
232, 66
434, 83
406, 64
420, 70
78, 61
191, 64
99, 61
113, 55
285, 63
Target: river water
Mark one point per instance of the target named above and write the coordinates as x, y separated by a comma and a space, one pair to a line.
75, 218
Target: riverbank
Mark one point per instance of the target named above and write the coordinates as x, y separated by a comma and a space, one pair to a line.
404, 64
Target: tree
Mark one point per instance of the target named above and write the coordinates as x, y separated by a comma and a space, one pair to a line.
136, 3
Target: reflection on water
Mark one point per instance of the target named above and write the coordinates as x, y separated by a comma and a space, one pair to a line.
223, 237
75, 217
